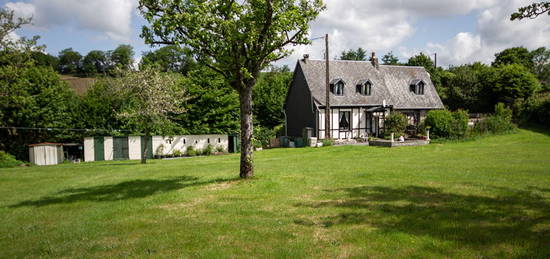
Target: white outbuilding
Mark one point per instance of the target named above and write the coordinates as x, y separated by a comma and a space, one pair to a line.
46, 153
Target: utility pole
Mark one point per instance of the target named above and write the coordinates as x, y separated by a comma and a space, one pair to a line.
435, 60
327, 101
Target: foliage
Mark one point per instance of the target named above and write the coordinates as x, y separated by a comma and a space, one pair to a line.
208, 150
360, 55
390, 59
169, 59
541, 66
14, 51
395, 123
447, 124
190, 151
531, 11
517, 55
70, 61
123, 57
269, 96
263, 136
468, 87
327, 142
7, 160
95, 62
237, 39
43, 59
212, 107
421, 60
150, 98
177, 153
511, 82
220, 149
499, 122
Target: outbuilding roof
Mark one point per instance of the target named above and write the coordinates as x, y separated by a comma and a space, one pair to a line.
389, 83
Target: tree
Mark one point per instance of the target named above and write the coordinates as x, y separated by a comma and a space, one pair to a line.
359, 54
269, 96
421, 60
169, 59
390, 59
122, 57
95, 62
15, 51
531, 11
541, 66
69, 61
511, 82
517, 55
150, 98
235, 38
212, 107
467, 87
43, 59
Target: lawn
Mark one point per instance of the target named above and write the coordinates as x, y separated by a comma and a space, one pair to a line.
483, 198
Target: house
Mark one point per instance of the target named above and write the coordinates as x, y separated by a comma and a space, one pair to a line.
362, 94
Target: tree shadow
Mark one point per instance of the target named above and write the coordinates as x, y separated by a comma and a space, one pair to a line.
120, 191
515, 218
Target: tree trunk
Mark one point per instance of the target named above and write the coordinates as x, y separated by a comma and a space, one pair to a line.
145, 144
247, 159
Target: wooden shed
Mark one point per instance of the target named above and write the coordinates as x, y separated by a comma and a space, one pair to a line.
46, 153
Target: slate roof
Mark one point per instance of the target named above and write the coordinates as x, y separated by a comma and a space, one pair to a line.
389, 83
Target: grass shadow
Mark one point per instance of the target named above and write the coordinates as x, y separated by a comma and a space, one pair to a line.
512, 218
121, 191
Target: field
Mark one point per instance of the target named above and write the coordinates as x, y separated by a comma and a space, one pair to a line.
474, 199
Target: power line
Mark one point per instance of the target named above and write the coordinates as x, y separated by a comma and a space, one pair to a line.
68, 129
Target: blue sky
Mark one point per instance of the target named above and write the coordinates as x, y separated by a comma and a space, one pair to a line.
460, 31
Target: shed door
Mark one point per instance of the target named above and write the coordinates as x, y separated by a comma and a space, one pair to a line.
99, 149
120, 148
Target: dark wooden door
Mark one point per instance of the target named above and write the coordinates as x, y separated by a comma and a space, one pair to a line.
120, 148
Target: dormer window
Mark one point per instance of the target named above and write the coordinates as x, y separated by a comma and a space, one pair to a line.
417, 87
337, 87
364, 87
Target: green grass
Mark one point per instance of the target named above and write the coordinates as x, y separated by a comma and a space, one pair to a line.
483, 198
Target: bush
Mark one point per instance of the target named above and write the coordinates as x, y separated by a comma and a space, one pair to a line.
327, 142
191, 151
534, 110
220, 149
7, 160
208, 150
395, 123
177, 153
447, 124
262, 136
499, 122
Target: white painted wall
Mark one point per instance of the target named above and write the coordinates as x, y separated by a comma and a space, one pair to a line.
108, 148
46, 154
170, 144
134, 147
89, 149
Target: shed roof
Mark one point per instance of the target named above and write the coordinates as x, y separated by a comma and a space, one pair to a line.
46, 144
389, 83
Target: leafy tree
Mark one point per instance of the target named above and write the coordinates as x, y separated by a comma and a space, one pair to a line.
213, 106
150, 97
69, 61
15, 52
122, 57
541, 66
169, 59
517, 55
95, 62
467, 87
359, 54
511, 82
98, 108
395, 123
43, 59
421, 60
531, 11
390, 59
235, 38
269, 96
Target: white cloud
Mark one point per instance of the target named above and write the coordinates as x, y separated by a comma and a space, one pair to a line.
111, 17
495, 32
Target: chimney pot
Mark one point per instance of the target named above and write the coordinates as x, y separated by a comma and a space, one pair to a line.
374, 60
306, 57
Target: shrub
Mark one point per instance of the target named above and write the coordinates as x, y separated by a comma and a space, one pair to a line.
499, 122
208, 150
439, 123
7, 160
191, 151
534, 110
327, 142
447, 124
262, 136
220, 149
177, 153
395, 123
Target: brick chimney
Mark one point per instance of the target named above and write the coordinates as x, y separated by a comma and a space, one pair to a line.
374, 60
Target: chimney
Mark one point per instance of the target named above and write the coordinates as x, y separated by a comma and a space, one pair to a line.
374, 60
306, 57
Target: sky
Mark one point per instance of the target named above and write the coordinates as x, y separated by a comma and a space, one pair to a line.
459, 31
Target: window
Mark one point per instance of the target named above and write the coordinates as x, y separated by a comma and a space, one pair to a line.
337, 87
183, 141
364, 88
208, 141
417, 87
219, 140
345, 121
